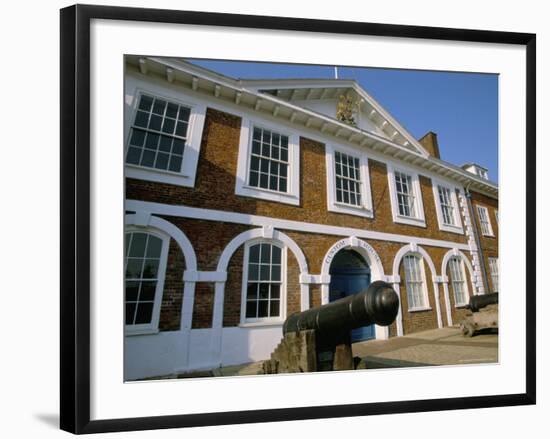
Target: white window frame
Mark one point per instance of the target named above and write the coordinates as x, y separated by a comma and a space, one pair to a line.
494, 272
464, 281
292, 196
419, 220
264, 321
488, 232
365, 208
135, 87
454, 228
426, 306
153, 326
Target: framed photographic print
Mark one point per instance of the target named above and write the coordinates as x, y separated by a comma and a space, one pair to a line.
277, 218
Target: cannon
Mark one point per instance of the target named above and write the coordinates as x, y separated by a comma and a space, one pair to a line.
483, 314
319, 339
481, 301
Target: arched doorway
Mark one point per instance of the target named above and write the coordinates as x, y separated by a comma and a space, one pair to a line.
350, 274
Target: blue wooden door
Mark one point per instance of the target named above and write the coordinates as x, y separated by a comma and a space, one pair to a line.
347, 281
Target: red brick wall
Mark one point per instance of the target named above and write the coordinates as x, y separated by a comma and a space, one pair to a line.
210, 239
203, 306
215, 189
215, 186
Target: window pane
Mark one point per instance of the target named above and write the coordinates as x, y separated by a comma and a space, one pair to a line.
134, 155
275, 291
263, 308
145, 103
257, 134
138, 136
175, 163
274, 308
159, 106
150, 268
168, 125
133, 268
132, 289
137, 248
162, 161
141, 119
144, 313
282, 185
147, 292
254, 163
264, 291
178, 146
263, 180
252, 292
130, 311
273, 183
148, 158
152, 141
155, 122
256, 147
251, 309
253, 270
255, 253
265, 253
181, 129
172, 110
253, 181
165, 143
276, 254
184, 114
264, 272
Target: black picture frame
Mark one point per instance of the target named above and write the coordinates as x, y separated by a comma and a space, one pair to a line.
75, 217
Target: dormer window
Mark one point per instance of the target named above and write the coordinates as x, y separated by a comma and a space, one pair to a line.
476, 169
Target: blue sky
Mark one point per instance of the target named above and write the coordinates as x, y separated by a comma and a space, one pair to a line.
462, 108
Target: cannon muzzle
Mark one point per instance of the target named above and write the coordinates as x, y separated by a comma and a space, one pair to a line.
482, 300
377, 304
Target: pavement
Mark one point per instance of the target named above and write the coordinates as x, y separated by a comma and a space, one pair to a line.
437, 347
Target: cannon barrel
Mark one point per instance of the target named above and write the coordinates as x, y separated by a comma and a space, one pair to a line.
482, 300
377, 304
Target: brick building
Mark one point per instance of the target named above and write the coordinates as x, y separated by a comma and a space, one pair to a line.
248, 200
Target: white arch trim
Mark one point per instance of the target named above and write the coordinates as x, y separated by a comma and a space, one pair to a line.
146, 220
267, 233
371, 258
416, 249
363, 248
413, 248
458, 253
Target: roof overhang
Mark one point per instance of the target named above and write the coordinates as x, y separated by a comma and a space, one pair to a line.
224, 88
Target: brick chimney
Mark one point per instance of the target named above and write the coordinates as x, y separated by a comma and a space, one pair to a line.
429, 142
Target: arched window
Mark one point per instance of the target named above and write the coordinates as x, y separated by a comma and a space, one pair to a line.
264, 287
415, 282
458, 281
145, 267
